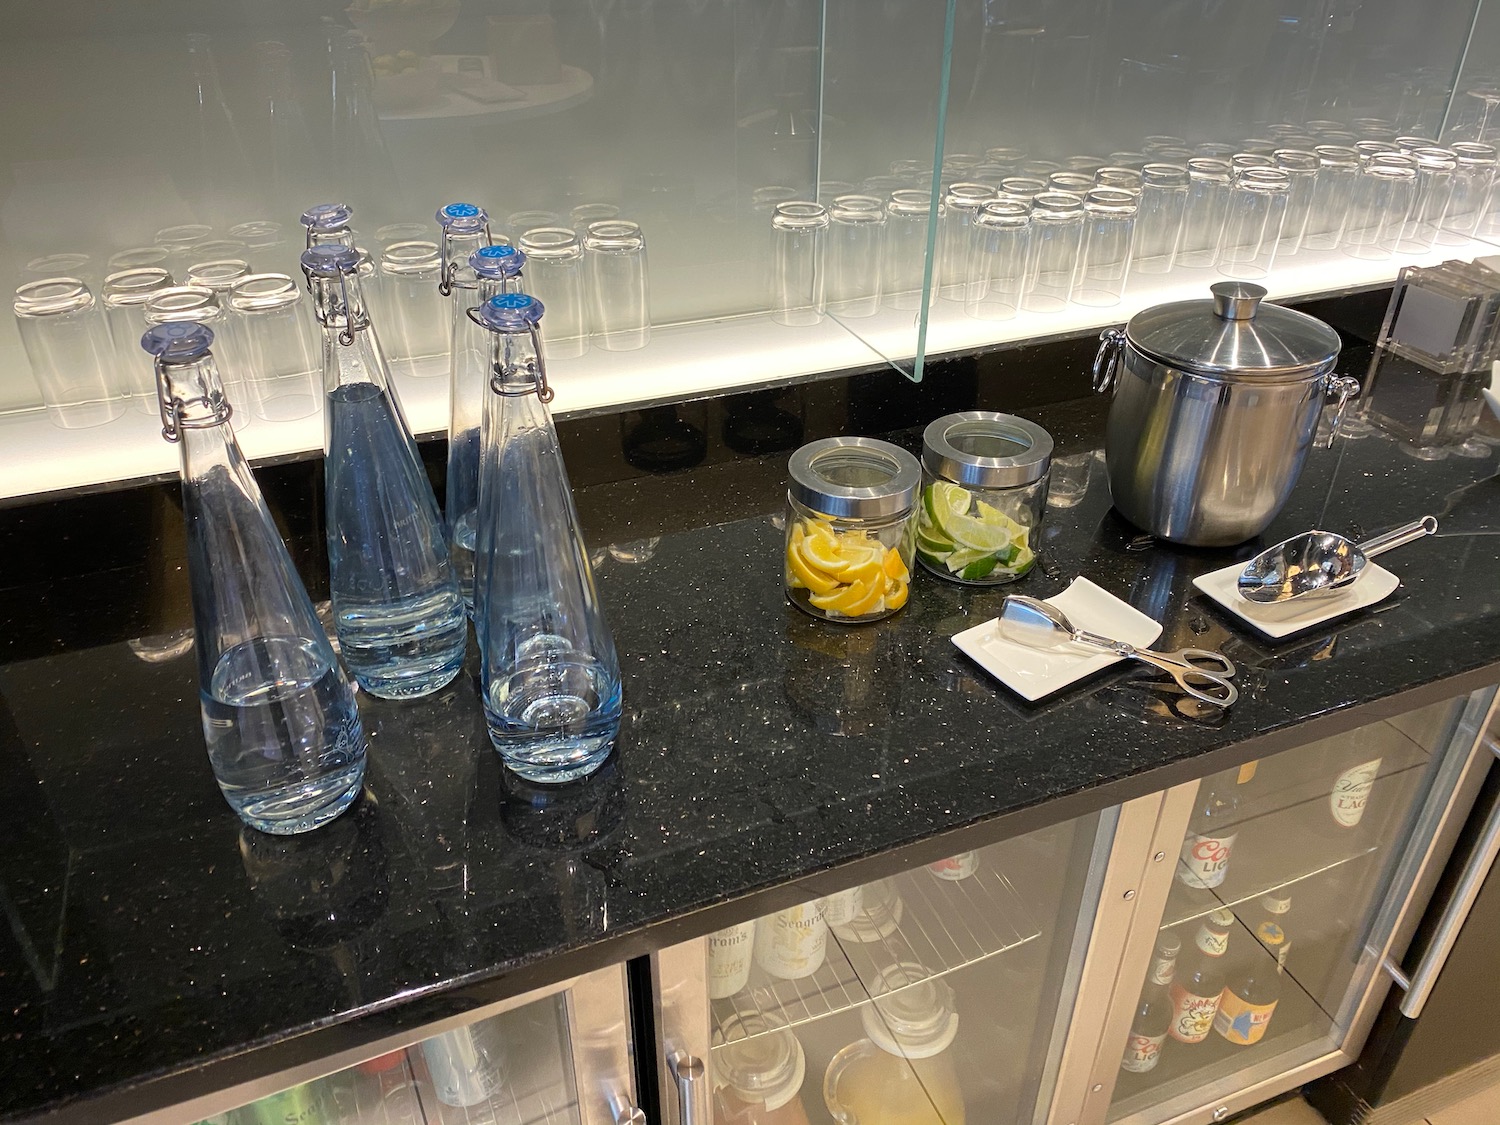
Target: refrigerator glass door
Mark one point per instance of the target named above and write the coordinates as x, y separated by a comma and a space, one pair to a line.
939, 994
561, 1059
1297, 877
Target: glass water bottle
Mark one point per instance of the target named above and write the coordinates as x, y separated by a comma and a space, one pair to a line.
550, 675
283, 733
497, 270
396, 604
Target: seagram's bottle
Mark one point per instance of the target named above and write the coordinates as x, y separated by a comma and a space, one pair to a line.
396, 605
283, 733
551, 679
497, 270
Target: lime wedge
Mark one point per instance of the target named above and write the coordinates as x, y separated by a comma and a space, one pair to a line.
944, 502
986, 538
933, 543
961, 559
978, 569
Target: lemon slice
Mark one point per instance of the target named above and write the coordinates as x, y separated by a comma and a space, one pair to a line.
848, 599
894, 567
815, 580
819, 549
866, 571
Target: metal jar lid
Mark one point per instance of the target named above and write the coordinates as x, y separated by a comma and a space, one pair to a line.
983, 449
854, 477
1234, 335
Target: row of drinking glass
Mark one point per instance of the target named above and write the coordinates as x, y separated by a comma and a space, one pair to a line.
85, 354
1038, 244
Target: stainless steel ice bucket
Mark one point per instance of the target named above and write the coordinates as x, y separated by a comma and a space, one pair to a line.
1215, 406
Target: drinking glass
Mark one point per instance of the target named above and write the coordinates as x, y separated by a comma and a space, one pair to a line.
1252, 225
1078, 183
1153, 145
854, 245
1333, 193
1215, 150
1041, 169
1243, 159
1435, 168
586, 213
1083, 163
66, 341
201, 306
618, 283
49, 266
797, 289
137, 258
1302, 167
906, 246
1118, 177
1375, 128
1383, 197
1158, 223
1022, 189
1260, 146
418, 316
1471, 188
1108, 236
1203, 212
1010, 157
1410, 145
216, 249
1372, 147
218, 274
124, 298
554, 276
1135, 161
519, 222
961, 203
1323, 127
272, 326
999, 253
260, 235
1057, 236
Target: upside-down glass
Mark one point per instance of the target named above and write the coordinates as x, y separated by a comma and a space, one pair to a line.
417, 318
1204, 211
905, 252
1383, 198
69, 349
1021, 188
1333, 193
1435, 168
586, 213
998, 255
855, 238
1302, 167
50, 266
1122, 179
1133, 160
1056, 239
1410, 144
1108, 237
518, 223
1242, 160
218, 274
1252, 225
138, 258
1153, 145
1471, 188
1158, 223
1041, 169
1215, 150
124, 298
796, 293
961, 204
554, 276
275, 330
181, 244
619, 285
1076, 182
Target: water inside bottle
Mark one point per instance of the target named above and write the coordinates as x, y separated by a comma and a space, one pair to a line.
400, 619
463, 532
553, 715
283, 734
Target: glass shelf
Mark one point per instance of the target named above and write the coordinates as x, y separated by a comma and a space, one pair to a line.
944, 926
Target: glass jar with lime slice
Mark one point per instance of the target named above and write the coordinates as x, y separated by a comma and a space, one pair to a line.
849, 528
984, 489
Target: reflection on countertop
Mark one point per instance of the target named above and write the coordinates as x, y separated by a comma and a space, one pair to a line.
147, 931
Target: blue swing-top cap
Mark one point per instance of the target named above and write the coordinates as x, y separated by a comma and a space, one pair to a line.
497, 261
510, 312
462, 216
327, 216
330, 261
178, 340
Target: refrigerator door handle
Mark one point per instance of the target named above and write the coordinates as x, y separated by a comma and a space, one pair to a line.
1419, 983
691, 1077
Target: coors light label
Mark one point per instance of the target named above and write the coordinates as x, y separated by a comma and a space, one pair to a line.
1205, 860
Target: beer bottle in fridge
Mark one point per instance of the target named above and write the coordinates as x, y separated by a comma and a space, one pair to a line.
1199, 980
1269, 924
1250, 998
1210, 835
1153, 1014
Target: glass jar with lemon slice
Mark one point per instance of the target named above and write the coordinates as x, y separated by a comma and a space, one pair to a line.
984, 489
849, 528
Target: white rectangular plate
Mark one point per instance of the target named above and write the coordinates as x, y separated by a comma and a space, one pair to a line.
1035, 673
1282, 619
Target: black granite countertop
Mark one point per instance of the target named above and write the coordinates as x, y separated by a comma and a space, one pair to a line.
154, 948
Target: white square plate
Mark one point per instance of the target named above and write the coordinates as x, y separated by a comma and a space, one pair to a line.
1035, 673
1283, 619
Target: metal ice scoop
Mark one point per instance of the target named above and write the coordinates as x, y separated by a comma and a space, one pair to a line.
1318, 562
1202, 674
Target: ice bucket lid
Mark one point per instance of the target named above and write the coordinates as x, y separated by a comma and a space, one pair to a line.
1233, 335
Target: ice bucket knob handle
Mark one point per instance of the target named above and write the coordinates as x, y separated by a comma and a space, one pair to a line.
1236, 300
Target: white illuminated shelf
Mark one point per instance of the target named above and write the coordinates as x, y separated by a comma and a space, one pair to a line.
682, 361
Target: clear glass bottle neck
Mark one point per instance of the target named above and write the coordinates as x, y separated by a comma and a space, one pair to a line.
454, 249
339, 305
516, 365
190, 397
